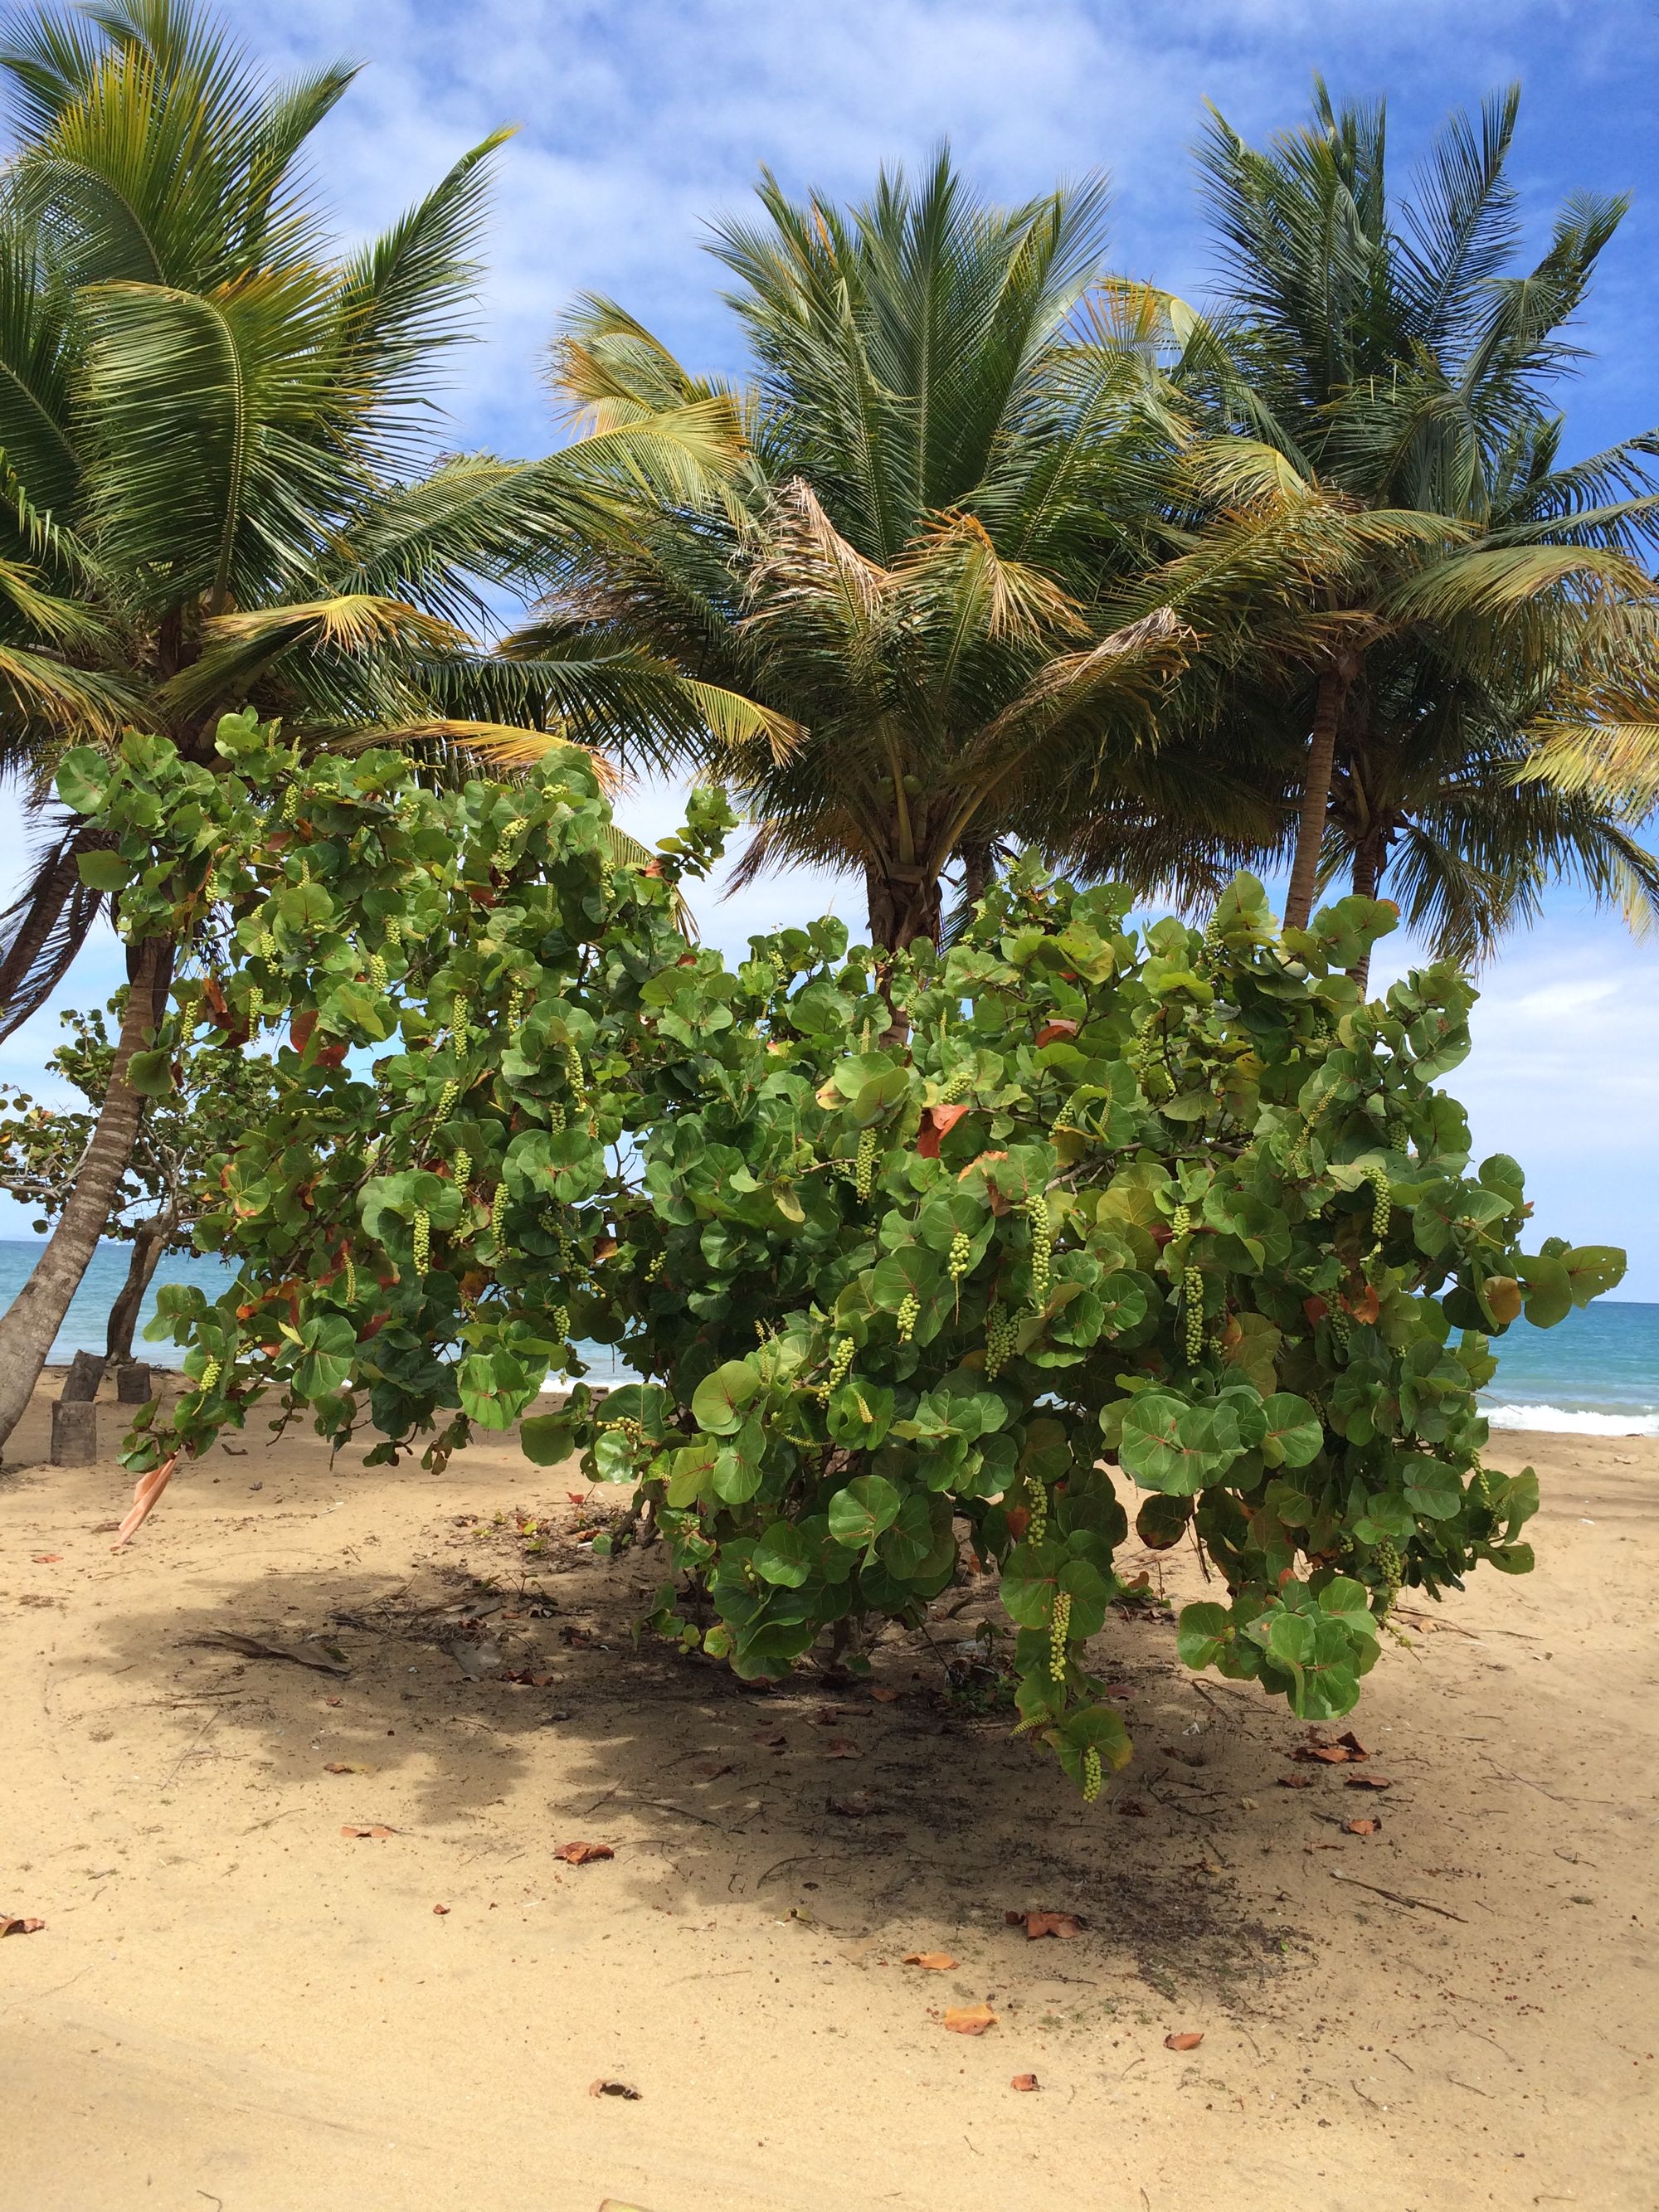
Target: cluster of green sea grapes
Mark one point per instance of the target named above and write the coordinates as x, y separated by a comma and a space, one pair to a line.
1042, 1247
1191, 1285
653, 1273
1036, 1525
1001, 1334
959, 1081
460, 1025
446, 1097
555, 1118
210, 1375
514, 1012
1382, 1203
350, 1281
1146, 1059
498, 1213
576, 1075
909, 1314
561, 1321
1091, 1777
1341, 1328
864, 1163
256, 1009
392, 930
377, 971
840, 1364
1060, 1632
461, 1167
1180, 1222
1391, 1570
1301, 1155
290, 802
423, 1240
961, 1252
265, 943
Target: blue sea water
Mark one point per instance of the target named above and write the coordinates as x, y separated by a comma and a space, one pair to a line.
1597, 1373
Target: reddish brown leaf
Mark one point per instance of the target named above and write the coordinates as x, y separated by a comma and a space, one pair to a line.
1367, 1306
1051, 1032
577, 1497
604, 2088
47, 1559
1296, 1782
339, 1766
1019, 1520
1327, 1754
440, 1909
1361, 1827
1315, 1309
300, 1028
885, 1697
937, 1122
1025, 2081
1064, 1925
841, 1749
378, 1832
1352, 1745
14, 1923
1367, 1782
970, 2020
334, 1701
935, 1962
580, 1854
1189, 2040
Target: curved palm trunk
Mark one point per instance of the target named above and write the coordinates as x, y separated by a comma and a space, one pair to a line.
149, 1242
1333, 683
36, 1314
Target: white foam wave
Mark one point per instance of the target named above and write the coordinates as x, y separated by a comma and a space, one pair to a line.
1562, 1421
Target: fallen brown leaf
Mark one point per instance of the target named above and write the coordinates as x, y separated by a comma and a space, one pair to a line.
1361, 1827
712, 1771
1131, 1808
604, 2088
841, 1749
936, 1962
580, 1854
14, 1923
827, 1716
334, 1701
1025, 2081
885, 1697
1351, 1742
970, 2020
772, 1742
440, 1909
339, 1766
378, 1832
857, 1805
1189, 2040
1366, 1782
1296, 1782
1327, 1754
1064, 1925
47, 1559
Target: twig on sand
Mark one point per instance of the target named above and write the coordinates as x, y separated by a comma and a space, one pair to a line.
252, 1647
1396, 1896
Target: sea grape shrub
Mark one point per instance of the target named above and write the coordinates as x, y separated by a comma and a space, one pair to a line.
920, 1247
446, 984
908, 1251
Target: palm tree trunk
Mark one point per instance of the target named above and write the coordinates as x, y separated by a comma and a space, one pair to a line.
1369, 858
902, 908
36, 1314
149, 1242
1334, 683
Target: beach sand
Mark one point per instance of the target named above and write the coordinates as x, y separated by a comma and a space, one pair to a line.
233, 2003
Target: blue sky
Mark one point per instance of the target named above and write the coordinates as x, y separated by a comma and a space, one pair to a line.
639, 120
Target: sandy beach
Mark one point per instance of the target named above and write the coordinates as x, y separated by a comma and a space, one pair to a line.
236, 2001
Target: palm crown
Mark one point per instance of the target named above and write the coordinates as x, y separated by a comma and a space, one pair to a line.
923, 557
217, 434
1395, 375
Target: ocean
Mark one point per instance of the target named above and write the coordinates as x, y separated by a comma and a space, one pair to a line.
1597, 1374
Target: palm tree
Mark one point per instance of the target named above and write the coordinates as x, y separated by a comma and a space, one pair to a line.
924, 558
216, 455
1402, 374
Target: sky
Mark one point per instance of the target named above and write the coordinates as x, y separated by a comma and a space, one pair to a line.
639, 121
